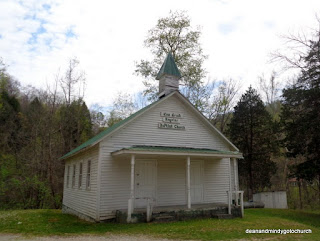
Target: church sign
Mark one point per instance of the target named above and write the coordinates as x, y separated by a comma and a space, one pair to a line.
171, 121
170, 114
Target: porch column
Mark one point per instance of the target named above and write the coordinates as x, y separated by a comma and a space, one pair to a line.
234, 160
230, 188
188, 184
235, 174
131, 200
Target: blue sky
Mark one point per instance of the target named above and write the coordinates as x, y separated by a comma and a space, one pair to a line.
37, 37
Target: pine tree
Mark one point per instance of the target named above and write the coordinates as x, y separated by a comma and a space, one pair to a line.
301, 117
251, 130
75, 122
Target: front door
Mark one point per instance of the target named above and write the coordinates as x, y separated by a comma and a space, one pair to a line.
145, 181
196, 181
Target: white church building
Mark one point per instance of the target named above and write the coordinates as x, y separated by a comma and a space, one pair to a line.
165, 158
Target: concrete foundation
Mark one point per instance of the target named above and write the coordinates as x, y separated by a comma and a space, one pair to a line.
66, 209
179, 213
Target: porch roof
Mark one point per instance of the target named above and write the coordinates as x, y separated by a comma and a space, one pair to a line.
176, 151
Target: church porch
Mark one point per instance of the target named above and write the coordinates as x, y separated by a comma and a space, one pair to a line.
146, 202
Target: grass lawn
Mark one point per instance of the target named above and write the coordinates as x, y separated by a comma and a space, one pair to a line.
53, 222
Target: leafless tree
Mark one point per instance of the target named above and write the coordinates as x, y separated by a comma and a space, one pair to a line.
269, 87
220, 108
297, 47
72, 80
124, 105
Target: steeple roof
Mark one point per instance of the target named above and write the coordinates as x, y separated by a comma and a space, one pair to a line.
169, 67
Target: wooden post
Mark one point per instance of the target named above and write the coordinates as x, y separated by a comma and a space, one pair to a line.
149, 209
241, 203
230, 188
131, 200
235, 180
188, 184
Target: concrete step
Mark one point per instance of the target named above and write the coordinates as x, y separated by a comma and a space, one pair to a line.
164, 218
223, 216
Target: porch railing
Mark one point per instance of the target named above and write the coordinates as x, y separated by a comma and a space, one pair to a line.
149, 207
237, 197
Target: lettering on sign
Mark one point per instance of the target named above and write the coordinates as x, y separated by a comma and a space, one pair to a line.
171, 121
170, 114
171, 126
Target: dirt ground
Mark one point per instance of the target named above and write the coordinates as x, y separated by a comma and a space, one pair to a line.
14, 237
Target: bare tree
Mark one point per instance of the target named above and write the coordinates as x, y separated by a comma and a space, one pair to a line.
124, 105
269, 87
98, 118
220, 108
297, 48
72, 80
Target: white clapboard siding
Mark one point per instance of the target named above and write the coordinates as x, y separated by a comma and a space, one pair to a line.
115, 185
216, 181
115, 174
144, 130
171, 183
82, 200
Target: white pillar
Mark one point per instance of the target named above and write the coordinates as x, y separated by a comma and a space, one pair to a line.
235, 173
230, 188
131, 200
241, 204
234, 160
132, 177
188, 183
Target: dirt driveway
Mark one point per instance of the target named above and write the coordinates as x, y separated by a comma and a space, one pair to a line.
14, 237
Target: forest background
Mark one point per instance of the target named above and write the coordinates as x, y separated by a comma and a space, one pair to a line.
275, 125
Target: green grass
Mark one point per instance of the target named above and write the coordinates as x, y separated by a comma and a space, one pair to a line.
53, 222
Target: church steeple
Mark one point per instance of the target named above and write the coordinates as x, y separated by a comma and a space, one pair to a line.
168, 76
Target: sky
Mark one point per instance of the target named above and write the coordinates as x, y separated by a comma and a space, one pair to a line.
38, 37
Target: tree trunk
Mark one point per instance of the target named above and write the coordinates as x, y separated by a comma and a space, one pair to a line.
300, 196
319, 189
306, 191
250, 194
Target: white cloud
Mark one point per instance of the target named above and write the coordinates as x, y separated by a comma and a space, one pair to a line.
107, 37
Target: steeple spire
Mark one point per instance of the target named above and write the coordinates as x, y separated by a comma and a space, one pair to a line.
168, 76
169, 67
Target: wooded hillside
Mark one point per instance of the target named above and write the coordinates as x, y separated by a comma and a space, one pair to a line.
279, 137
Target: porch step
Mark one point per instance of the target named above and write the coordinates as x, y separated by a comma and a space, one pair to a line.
164, 218
223, 216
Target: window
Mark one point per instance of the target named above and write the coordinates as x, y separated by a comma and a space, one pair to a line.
80, 175
88, 174
68, 176
74, 176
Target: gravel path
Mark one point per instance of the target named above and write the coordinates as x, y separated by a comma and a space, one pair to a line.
14, 237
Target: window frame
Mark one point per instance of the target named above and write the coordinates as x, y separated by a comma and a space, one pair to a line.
80, 175
68, 176
88, 175
74, 176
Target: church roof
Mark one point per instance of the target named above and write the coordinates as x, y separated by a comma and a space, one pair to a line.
169, 67
96, 139
170, 149
104, 133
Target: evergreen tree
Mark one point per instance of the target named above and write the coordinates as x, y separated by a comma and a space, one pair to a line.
301, 118
75, 124
9, 112
251, 130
